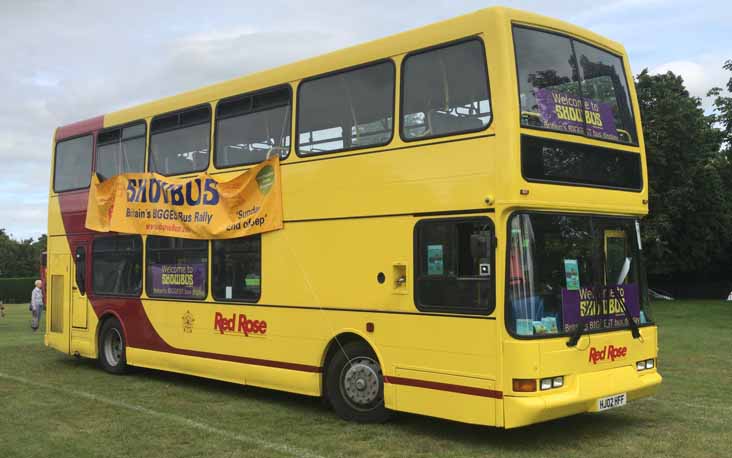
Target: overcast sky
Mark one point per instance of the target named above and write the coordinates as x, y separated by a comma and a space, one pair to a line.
71, 60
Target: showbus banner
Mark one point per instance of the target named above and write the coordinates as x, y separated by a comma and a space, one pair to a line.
200, 207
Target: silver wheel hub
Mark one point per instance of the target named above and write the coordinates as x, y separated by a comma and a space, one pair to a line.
361, 381
113, 347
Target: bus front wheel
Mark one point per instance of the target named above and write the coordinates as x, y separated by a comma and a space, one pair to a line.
112, 351
354, 384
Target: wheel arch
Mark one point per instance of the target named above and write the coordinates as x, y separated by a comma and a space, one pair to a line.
339, 340
103, 318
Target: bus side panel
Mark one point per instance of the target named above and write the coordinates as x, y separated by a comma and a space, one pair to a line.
424, 364
410, 180
200, 367
438, 402
58, 305
58, 271
443, 373
312, 274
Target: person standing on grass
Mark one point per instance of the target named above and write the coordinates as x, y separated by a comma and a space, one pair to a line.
2, 310
36, 305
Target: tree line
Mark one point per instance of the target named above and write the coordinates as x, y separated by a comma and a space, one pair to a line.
20, 258
688, 233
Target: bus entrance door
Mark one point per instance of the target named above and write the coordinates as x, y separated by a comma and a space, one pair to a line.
58, 292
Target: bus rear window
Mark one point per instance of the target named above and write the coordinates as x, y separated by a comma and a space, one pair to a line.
553, 161
569, 86
73, 164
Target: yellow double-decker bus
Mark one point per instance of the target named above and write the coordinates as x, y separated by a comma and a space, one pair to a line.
461, 229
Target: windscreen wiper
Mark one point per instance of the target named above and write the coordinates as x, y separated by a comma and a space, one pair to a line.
631, 322
575, 337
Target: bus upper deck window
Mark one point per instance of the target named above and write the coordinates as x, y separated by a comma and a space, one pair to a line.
179, 142
347, 110
121, 150
251, 128
445, 91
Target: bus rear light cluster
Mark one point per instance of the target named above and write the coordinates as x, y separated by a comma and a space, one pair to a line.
645, 364
551, 382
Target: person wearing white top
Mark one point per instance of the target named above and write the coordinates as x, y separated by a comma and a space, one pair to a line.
36, 305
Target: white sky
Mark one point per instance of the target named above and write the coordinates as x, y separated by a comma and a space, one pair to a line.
67, 61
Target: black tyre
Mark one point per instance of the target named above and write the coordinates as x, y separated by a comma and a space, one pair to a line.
354, 384
112, 348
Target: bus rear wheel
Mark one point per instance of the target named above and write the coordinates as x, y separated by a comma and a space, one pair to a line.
112, 350
354, 384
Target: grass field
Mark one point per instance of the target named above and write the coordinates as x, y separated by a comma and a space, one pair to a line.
55, 405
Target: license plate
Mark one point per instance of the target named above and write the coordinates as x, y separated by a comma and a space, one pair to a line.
610, 402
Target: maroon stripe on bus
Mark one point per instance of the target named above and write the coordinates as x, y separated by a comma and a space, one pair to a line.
444, 387
140, 333
79, 128
73, 214
247, 360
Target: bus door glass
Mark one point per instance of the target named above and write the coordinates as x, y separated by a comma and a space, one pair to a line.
79, 301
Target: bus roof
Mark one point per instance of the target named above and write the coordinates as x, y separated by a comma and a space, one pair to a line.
422, 37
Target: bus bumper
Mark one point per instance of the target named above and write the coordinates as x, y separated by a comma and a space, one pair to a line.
580, 395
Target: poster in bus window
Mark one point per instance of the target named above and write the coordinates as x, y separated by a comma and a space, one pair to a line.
570, 113
607, 312
435, 262
571, 274
181, 280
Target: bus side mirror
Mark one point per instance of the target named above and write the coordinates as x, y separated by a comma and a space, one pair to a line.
80, 261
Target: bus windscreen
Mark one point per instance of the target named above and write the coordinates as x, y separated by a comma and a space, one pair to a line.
568, 271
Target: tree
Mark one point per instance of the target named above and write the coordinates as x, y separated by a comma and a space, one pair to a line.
723, 113
688, 226
547, 78
20, 258
723, 119
8, 254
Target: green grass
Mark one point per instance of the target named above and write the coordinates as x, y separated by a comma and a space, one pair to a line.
55, 405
